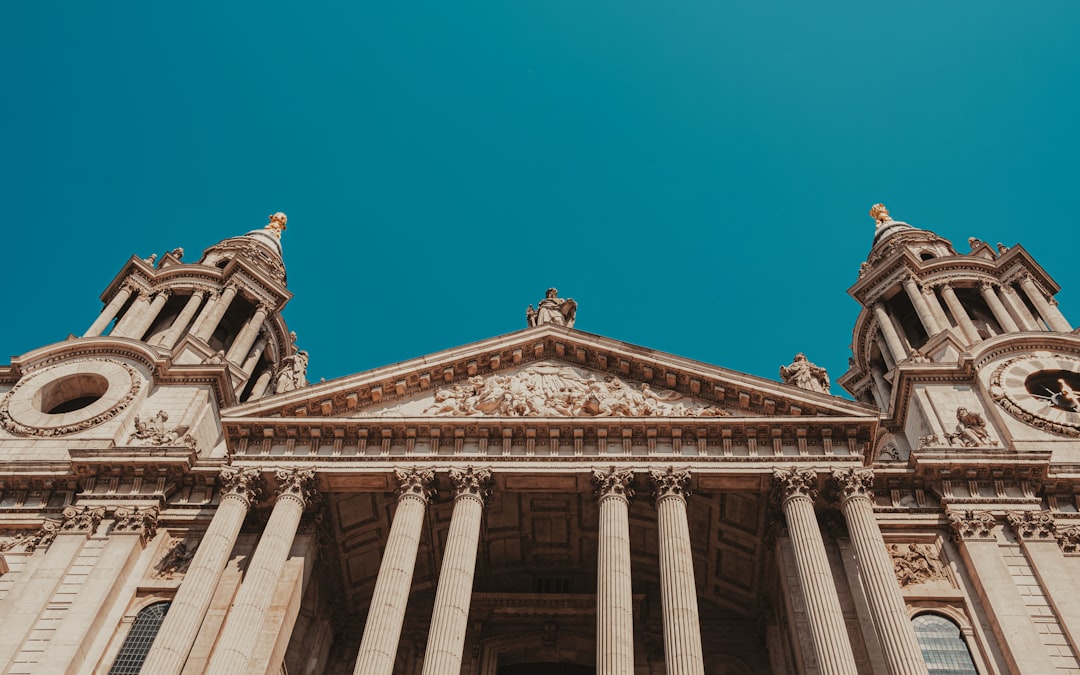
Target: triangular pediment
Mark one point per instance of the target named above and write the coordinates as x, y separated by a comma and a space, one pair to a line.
549, 371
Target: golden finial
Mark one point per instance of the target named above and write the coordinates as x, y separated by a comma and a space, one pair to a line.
881, 214
277, 223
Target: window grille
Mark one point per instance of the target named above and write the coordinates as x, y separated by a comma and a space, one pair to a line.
137, 643
943, 649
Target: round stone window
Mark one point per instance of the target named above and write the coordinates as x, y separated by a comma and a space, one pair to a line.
68, 394
69, 397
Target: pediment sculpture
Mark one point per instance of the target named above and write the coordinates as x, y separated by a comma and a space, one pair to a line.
557, 390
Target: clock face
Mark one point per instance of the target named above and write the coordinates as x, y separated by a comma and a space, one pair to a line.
1042, 390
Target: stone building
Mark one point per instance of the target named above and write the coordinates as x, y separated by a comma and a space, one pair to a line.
176, 498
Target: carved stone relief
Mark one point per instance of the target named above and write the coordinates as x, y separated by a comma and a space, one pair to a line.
971, 431
152, 431
553, 389
176, 560
916, 563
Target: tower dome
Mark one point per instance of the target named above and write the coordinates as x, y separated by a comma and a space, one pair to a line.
261, 247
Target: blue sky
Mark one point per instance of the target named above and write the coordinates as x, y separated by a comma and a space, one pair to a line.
696, 174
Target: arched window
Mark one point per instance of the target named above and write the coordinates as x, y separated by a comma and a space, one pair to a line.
137, 643
943, 649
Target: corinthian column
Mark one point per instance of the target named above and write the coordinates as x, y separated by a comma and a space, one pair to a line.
1002, 315
614, 593
211, 315
109, 313
182, 321
918, 300
678, 592
887, 607
892, 338
132, 316
237, 640
247, 336
378, 648
146, 319
960, 313
827, 629
1050, 315
239, 490
450, 617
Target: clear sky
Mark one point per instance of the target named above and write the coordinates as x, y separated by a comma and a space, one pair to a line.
697, 175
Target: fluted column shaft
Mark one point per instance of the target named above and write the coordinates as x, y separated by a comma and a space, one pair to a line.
1053, 318
248, 612
678, 591
132, 316
254, 355
960, 313
892, 338
146, 318
378, 647
211, 316
261, 383
930, 296
1002, 315
827, 629
614, 592
921, 308
109, 313
181, 323
887, 607
174, 640
1019, 310
450, 616
248, 334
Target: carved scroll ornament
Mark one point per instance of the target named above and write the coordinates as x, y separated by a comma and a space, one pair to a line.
972, 524
1031, 524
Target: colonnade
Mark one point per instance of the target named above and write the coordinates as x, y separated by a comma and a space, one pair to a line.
614, 492
1005, 304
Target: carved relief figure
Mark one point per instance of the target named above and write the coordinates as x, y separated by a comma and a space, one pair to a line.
152, 431
805, 375
553, 309
176, 561
549, 389
915, 564
971, 430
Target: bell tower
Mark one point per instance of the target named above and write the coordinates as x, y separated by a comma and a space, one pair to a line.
924, 303
222, 310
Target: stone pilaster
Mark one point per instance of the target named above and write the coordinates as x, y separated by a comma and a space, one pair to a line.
678, 590
1010, 619
239, 490
828, 632
1057, 573
614, 593
887, 606
67, 649
21, 611
296, 487
450, 617
378, 648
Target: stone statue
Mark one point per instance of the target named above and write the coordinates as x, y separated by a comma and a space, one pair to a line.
150, 261
974, 242
1002, 248
881, 214
277, 224
530, 316
556, 310
152, 432
805, 375
292, 373
177, 253
971, 430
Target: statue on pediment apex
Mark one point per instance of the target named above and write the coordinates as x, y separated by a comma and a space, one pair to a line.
805, 375
553, 309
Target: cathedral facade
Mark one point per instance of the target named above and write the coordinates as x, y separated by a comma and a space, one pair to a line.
177, 498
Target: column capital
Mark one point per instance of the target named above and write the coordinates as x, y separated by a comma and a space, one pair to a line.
669, 483
795, 482
131, 286
852, 483
470, 482
244, 484
232, 285
44, 535
163, 293
81, 519
972, 524
135, 520
1031, 524
296, 483
417, 482
1068, 539
987, 285
265, 307
613, 483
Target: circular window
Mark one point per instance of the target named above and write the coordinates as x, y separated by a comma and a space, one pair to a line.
69, 397
68, 394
